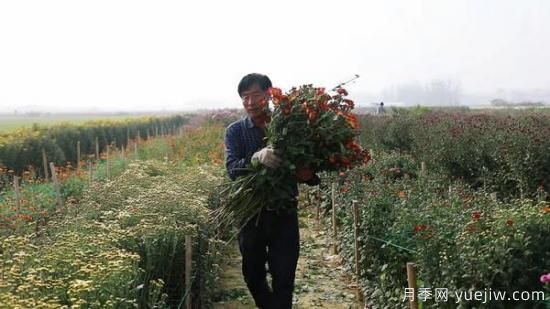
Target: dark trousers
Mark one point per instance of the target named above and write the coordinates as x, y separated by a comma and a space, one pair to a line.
273, 239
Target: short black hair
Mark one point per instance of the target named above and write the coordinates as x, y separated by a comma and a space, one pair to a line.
254, 78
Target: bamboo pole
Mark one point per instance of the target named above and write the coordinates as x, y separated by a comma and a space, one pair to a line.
17, 194
90, 173
108, 163
45, 163
56, 187
123, 156
356, 236
77, 157
411, 279
97, 149
334, 227
188, 265
317, 198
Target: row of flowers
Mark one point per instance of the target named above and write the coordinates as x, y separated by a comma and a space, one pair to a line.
460, 238
503, 151
120, 246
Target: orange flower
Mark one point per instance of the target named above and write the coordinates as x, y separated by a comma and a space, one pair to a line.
286, 110
351, 119
320, 91
402, 194
350, 103
366, 156
262, 103
471, 228
546, 210
312, 116
342, 91
345, 162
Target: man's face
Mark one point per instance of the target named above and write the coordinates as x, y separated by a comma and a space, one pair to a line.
254, 100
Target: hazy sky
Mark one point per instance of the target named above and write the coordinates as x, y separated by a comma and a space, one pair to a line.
137, 55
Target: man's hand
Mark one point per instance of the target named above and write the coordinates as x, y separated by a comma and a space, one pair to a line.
266, 156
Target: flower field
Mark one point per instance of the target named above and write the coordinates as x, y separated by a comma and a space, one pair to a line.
119, 240
460, 239
462, 195
476, 217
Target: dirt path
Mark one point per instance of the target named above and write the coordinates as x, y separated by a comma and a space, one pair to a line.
320, 281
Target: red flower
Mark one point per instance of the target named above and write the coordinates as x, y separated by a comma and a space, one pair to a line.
509, 222
345, 162
311, 116
350, 103
471, 228
342, 91
476, 215
420, 228
286, 110
262, 103
275, 91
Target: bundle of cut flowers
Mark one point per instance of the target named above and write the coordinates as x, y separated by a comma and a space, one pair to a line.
312, 131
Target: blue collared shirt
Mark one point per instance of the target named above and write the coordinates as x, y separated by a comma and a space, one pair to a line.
242, 139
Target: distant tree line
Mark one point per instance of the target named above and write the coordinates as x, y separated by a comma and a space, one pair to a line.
502, 102
438, 92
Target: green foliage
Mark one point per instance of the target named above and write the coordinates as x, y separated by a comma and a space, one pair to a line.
503, 152
122, 246
460, 240
72, 187
23, 148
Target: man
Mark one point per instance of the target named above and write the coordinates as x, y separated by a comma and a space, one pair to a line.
380, 110
273, 238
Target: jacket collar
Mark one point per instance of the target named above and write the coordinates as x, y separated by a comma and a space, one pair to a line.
249, 123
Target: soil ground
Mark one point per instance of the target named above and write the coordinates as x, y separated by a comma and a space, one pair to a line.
320, 280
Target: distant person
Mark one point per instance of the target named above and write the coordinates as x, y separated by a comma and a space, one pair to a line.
380, 110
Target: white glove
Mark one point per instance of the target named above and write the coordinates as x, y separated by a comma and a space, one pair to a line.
266, 156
